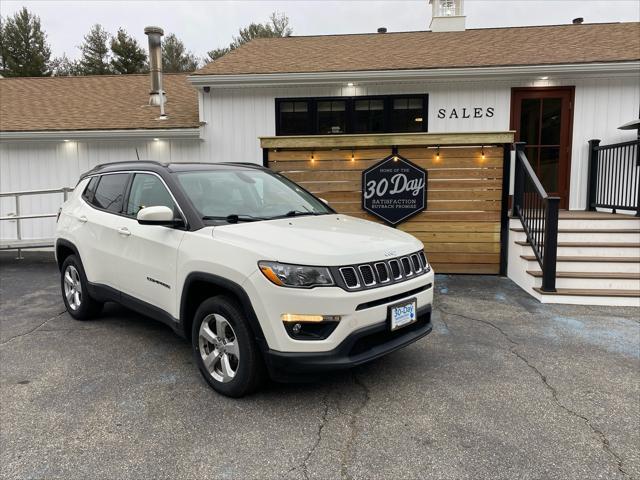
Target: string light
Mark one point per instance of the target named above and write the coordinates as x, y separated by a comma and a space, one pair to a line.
438, 153
353, 155
313, 158
482, 152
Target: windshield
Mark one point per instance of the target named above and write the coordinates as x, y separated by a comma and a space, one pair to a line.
247, 195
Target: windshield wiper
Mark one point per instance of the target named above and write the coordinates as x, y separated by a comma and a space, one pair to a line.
298, 213
234, 218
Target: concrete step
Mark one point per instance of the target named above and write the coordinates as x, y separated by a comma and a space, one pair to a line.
592, 280
580, 292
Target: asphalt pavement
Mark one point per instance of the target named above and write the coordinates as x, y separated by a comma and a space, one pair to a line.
503, 388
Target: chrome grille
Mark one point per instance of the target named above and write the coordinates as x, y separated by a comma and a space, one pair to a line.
406, 266
417, 266
381, 273
395, 269
350, 277
367, 275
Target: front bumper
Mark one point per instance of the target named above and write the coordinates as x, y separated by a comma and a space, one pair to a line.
361, 346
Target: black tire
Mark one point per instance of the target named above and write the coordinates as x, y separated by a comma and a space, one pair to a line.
88, 307
250, 371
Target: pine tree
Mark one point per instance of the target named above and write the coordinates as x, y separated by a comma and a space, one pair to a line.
64, 67
128, 56
95, 53
24, 50
277, 26
175, 58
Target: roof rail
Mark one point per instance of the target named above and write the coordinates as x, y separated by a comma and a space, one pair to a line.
137, 162
244, 164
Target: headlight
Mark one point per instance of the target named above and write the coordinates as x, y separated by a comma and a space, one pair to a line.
298, 276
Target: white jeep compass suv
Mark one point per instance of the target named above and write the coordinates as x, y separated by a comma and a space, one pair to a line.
259, 274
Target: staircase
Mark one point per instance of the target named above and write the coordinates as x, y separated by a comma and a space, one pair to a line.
598, 260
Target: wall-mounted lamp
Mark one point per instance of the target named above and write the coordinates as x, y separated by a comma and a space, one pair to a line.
66, 140
482, 152
156, 139
544, 78
350, 84
353, 155
438, 152
395, 158
313, 158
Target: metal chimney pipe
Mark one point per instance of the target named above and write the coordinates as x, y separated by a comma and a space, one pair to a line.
156, 94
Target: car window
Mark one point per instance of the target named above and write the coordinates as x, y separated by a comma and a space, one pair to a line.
246, 192
90, 190
148, 191
110, 192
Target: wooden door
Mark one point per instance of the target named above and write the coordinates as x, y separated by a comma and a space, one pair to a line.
543, 118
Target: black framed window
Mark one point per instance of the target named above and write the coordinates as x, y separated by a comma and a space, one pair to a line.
90, 191
338, 115
110, 192
368, 115
407, 114
332, 116
294, 117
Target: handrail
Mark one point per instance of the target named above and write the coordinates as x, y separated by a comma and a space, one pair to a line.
614, 176
19, 243
538, 214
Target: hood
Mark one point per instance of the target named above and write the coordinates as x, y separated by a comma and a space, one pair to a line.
327, 240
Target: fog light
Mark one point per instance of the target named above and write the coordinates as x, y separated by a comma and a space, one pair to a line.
296, 317
296, 328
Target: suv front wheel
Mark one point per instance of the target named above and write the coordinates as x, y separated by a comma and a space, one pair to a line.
224, 348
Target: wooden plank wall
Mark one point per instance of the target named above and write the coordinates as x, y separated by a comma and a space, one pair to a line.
461, 226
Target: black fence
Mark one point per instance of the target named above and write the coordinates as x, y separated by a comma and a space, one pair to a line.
538, 213
614, 176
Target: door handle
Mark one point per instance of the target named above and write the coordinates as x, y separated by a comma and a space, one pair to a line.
82, 219
124, 231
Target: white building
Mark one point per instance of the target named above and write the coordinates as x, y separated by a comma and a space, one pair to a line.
556, 87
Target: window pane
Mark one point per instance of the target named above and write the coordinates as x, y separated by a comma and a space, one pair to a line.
332, 117
548, 172
551, 116
407, 115
111, 191
148, 191
368, 116
530, 120
90, 191
294, 118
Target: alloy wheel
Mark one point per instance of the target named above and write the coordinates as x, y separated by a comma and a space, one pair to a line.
72, 287
218, 347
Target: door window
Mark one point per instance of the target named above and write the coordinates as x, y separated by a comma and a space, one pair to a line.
110, 192
148, 191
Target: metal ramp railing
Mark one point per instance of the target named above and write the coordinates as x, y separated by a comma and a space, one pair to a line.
20, 243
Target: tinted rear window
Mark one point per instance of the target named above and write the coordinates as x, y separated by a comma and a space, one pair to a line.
110, 192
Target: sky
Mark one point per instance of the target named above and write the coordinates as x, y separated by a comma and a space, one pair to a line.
204, 25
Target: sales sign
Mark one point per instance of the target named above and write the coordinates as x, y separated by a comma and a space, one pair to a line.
394, 189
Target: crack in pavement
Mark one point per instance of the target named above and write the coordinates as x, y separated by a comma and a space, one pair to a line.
323, 422
347, 451
554, 393
34, 329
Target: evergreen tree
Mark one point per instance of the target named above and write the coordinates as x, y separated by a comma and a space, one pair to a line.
277, 26
175, 58
95, 53
64, 67
24, 51
128, 56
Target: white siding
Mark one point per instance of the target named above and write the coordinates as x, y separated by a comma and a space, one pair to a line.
48, 165
237, 117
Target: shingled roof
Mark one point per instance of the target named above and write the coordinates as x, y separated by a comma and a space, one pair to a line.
102, 102
541, 45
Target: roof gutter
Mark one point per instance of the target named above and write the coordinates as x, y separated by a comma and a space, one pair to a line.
475, 73
142, 134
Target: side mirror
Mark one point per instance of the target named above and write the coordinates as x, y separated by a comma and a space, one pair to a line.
159, 215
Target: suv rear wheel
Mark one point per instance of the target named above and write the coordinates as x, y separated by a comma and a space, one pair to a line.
75, 292
224, 348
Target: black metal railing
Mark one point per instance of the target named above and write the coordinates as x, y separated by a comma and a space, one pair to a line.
538, 213
614, 176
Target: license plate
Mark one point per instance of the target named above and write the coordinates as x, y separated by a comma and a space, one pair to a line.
403, 314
